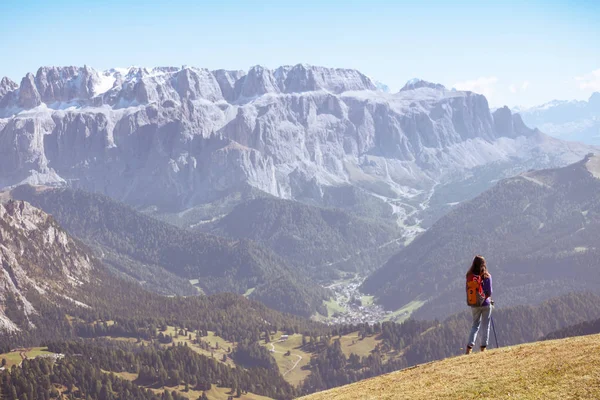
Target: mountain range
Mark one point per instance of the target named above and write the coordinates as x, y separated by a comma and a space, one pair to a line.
569, 120
174, 139
537, 230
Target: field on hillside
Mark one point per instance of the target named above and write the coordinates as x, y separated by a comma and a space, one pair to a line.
294, 367
291, 367
557, 369
351, 343
219, 346
15, 357
215, 393
404, 313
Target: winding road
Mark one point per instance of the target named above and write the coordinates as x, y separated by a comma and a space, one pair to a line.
281, 352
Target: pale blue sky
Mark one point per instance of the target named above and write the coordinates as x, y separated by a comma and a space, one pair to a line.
525, 52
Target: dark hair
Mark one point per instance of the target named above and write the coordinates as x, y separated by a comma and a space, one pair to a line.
479, 267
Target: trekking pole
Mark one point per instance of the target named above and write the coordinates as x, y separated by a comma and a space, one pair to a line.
493, 327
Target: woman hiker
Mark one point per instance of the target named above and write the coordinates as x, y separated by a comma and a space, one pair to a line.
479, 292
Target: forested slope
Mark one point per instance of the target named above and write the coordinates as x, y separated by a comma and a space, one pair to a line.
315, 240
584, 328
138, 246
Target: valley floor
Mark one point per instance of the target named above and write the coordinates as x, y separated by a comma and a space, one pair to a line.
557, 369
350, 306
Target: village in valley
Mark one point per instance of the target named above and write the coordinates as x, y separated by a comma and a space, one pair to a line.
350, 306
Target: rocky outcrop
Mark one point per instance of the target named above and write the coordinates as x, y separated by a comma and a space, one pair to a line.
29, 97
36, 256
6, 86
509, 124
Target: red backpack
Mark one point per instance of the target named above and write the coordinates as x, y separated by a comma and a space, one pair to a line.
475, 295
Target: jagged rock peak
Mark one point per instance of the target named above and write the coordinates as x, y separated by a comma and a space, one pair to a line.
508, 124
417, 83
29, 97
259, 81
7, 85
304, 77
123, 87
64, 84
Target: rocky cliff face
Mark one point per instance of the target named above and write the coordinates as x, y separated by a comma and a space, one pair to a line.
37, 258
179, 137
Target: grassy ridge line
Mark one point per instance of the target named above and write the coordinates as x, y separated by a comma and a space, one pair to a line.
557, 369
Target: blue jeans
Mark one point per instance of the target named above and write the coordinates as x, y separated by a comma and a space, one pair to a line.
480, 314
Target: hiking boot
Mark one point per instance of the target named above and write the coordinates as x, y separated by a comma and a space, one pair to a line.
469, 350
482, 348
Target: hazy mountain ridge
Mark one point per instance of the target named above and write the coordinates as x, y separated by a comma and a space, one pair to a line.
216, 264
537, 230
177, 138
569, 120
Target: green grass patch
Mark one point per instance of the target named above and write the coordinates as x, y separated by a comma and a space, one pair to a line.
367, 300
351, 343
405, 312
15, 358
38, 351
333, 307
12, 358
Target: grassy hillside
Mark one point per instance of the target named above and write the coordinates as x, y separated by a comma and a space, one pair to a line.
538, 232
318, 241
559, 369
154, 252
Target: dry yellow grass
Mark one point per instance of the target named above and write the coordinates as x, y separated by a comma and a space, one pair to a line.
291, 367
361, 348
558, 369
